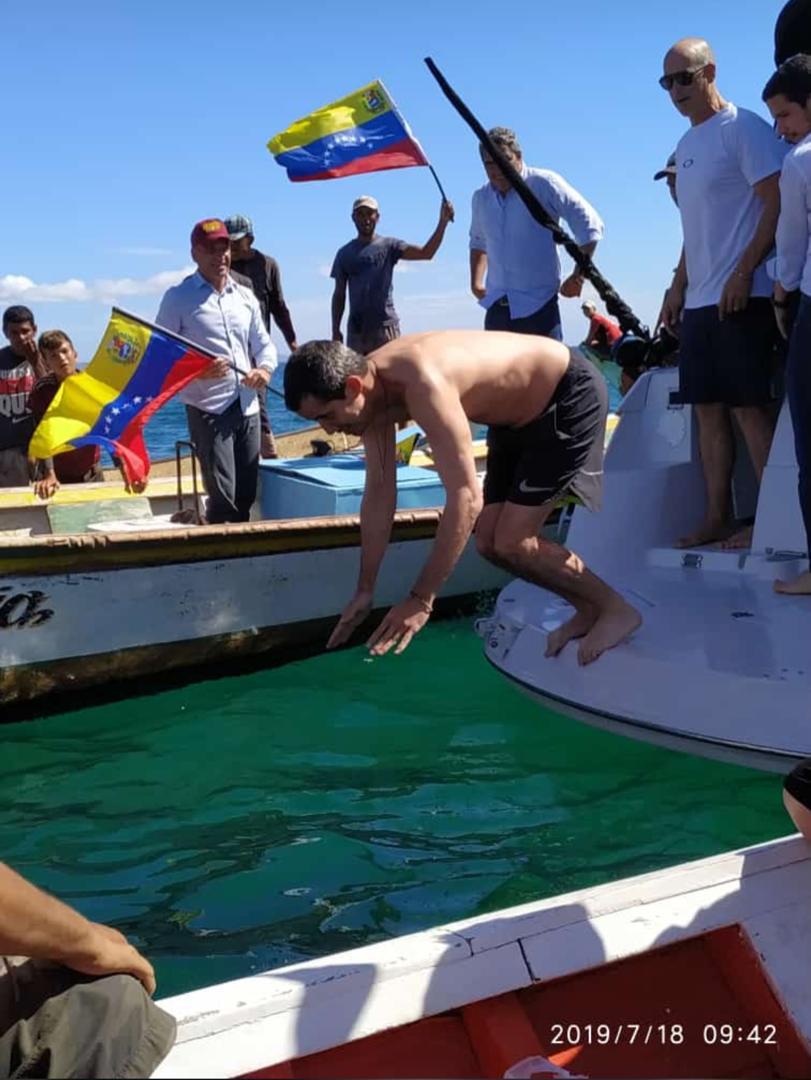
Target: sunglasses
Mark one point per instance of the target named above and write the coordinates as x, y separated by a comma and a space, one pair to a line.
680, 78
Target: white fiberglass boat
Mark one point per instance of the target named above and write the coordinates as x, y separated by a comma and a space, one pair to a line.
721, 666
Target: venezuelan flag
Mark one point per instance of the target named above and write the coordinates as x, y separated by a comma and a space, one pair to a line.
136, 369
361, 133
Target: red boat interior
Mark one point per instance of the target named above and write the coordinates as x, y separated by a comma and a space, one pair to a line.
701, 1007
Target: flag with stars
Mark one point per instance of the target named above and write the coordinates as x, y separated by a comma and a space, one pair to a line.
136, 369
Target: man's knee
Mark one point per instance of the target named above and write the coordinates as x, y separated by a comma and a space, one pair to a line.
92, 1028
485, 544
511, 547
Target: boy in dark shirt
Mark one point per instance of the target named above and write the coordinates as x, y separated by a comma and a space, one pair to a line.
19, 367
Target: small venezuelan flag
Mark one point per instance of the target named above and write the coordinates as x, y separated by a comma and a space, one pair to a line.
361, 133
136, 369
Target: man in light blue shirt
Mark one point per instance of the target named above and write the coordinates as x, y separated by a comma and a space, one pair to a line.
519, 256
211, 309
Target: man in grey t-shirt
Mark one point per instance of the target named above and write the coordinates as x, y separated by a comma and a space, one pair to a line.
366, 265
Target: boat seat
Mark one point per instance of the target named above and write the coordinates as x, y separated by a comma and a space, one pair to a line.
77, 517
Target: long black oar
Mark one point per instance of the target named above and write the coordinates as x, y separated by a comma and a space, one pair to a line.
613, 301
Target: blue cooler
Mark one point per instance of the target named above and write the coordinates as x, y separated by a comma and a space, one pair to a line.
321, 487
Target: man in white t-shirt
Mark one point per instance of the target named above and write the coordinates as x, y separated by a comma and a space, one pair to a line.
728, 165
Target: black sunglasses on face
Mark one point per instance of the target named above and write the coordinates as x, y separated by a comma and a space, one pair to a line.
680, 78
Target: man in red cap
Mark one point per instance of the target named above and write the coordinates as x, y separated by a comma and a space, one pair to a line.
212, 310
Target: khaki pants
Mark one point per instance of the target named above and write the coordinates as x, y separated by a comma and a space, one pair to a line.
55, 1022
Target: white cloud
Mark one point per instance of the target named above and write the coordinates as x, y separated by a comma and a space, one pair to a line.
15, 287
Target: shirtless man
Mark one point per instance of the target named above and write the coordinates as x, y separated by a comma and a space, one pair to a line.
546, 410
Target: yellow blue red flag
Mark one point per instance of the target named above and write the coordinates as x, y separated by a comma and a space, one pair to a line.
361, 133
137, 368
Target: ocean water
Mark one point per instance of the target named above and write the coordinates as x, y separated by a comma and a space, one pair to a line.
232, 825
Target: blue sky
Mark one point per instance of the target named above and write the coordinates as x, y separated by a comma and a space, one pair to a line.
128, 121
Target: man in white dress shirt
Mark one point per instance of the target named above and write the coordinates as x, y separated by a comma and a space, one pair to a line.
727, 169
211, 309
514, 266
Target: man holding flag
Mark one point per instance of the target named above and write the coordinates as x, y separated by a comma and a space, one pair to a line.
366, 265
361, 133
211, 310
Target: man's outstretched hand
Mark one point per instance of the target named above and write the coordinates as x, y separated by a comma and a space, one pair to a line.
353, 615
403, 621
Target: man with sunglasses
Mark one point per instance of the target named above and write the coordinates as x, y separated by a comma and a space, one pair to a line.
727, 171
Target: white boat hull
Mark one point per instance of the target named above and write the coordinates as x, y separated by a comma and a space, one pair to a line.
194, 597
721, 666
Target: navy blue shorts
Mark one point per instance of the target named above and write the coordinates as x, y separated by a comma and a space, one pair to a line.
544, 322
560, 451
729, 362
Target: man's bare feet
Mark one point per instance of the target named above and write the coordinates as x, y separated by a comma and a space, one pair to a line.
612, 626
740, 539
799, 586
576, 627
709, 532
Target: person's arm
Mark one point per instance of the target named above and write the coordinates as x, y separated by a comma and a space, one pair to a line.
277, 306
338, 301
478, 247
735, 295
791, 244
585, 224
478, 269
791, 237
435, 405
262, 350
46, 483
431, 245
39, 926
670, 315
376, 515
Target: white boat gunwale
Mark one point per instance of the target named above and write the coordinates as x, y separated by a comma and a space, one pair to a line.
277, 1016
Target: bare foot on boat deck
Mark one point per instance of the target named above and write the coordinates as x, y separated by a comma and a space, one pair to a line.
576, 627
612, 627
740, 540
709, 532
799, 586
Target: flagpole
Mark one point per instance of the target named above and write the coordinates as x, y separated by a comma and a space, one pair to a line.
436, 178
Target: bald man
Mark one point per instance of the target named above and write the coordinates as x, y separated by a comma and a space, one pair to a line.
727, 172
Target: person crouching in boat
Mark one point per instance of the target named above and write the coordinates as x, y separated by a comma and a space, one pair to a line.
546, 410
788, 97
82, 465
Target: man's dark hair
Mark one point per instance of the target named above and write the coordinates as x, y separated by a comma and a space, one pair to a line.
792, 31
792, 79
505, 139
320, 368
18, 313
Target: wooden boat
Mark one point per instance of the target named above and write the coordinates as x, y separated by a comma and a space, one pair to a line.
98, 586
697, 970
721, 665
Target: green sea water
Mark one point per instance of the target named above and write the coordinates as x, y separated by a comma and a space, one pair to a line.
237, 824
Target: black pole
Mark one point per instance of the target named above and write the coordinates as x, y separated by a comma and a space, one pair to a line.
613, 301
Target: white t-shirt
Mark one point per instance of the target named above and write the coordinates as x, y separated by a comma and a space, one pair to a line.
792, 264
718, 163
